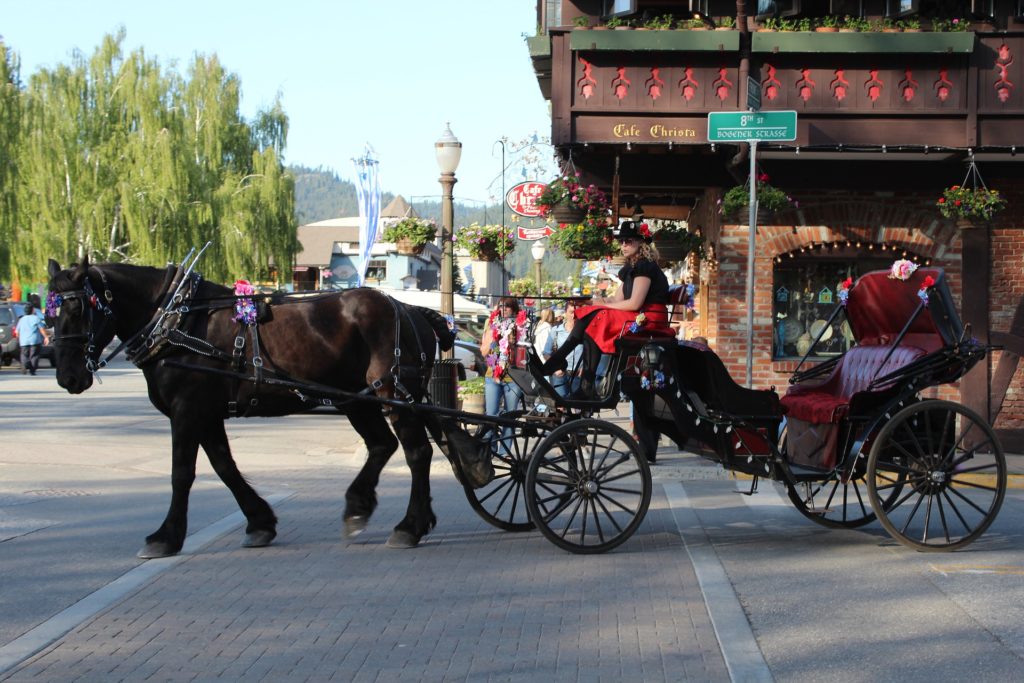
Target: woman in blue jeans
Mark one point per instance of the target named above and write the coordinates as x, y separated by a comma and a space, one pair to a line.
506, 326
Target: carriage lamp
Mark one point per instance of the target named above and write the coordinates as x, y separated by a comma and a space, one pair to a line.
650, 356
448, 151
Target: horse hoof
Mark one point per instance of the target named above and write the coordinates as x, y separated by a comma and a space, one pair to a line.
355, 526
151, 551
402, 539
259, 539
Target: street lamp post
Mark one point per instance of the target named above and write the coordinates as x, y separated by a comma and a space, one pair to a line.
537, 250
448, 151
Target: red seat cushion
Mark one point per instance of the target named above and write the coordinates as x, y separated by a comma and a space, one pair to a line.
830, 401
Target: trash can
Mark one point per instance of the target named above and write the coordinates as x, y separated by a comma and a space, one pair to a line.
444, 382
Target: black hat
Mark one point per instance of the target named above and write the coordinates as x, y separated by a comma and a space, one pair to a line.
634, 230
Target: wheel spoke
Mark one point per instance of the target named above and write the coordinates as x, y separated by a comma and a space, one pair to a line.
927, 519
942, 518
608, 513
972, 484
966, 499
860, 500
597, 522
616, 503
956, 511
628, 492
508, 481
910, 517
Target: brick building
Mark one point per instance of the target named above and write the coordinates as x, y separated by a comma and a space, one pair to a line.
886, 121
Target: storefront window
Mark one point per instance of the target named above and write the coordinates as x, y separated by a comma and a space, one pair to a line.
804, 296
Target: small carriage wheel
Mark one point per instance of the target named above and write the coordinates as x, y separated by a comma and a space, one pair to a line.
832, 502
954, 472
502, 502
588, 486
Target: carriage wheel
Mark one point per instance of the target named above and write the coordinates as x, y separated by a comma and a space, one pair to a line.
832, 502
954, 473
502, 502
588, 486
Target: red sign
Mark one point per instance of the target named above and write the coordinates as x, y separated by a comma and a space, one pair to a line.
534, 233
522, 198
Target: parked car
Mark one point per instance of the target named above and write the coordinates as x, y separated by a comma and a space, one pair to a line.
10, 313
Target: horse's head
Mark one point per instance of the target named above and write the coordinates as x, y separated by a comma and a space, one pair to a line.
83, 324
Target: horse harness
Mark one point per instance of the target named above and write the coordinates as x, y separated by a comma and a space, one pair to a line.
166, 329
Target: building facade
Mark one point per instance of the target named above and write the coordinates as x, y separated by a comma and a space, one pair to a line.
886, 120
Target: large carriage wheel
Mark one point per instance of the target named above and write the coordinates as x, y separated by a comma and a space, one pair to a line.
954, 473
832, 501
588, 486
502, 502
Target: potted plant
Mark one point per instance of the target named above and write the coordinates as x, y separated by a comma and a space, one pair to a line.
769, 24
954, 25
769, 199
485, 242
660, 23
410, 234
568, 200
674, 242
910, 25
886, 25
697, 24
726, 23
857, 24
581, 22
804, 25
523, 286
966, 205
589, 240
555, 288
470, 393
618, 23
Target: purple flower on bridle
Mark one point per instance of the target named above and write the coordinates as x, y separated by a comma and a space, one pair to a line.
245, 310
53, 302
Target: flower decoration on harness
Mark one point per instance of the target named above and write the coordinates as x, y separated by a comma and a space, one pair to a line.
450, 320
922, 293
902, 270
53, 302
245, 309
635, 326
843, 291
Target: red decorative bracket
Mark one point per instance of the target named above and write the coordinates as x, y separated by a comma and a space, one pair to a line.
722, 84
1003, 85
586, 84
620, 84
805, 86
908, 86
839, 85
770, 86
874, 86
654, 84
688, 85
943, 86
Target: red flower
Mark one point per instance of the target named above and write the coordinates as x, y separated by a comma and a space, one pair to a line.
942, 200
929, 281
956, 203
644, 230
763, 178
521, 318
847, 283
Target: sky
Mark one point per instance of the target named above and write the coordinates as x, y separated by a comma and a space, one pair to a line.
388, 73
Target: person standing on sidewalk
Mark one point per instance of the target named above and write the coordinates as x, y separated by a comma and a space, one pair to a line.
31, 331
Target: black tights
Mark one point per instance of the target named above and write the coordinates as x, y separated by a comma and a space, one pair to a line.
591, 352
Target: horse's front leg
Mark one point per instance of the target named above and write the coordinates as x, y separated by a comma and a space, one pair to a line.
170, 537
261, 527
419, 516
361, 497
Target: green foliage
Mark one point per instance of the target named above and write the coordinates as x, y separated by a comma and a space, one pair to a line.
676, 235
954, 25
859, 24
726, 22
524, 286
769, 198
416, 230
124, 160
829, 21
485, 242
471, 387
590, 240
970, 202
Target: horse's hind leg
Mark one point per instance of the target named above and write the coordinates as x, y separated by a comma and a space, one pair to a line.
419, 516
361, 497
261, 526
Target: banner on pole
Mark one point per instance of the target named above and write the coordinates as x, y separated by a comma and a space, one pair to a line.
368, 196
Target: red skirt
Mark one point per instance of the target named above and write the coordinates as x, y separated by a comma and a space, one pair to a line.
610, 324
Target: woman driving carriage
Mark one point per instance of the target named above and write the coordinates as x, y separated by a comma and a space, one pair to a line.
644, 290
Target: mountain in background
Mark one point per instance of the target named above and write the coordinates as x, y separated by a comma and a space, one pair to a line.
320, 194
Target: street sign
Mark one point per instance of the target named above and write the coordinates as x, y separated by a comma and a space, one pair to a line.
533, 234
753, 93
743, 126
522, 198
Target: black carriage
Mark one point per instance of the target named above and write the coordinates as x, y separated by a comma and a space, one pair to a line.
862, 436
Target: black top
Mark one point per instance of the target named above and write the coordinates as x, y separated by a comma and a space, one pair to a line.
657, 294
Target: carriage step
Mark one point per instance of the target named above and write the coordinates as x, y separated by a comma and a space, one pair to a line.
753, 487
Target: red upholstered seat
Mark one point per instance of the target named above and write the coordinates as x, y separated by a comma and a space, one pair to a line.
830, 401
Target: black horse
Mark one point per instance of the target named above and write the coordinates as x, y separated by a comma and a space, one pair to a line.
347, 341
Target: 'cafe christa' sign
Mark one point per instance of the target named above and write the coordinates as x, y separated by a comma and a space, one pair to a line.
684, 130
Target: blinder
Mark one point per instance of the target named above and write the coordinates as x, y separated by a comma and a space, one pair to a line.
90, 304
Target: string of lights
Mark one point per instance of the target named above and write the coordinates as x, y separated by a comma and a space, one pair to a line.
897, 250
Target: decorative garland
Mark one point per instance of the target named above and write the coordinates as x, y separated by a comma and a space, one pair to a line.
505, 333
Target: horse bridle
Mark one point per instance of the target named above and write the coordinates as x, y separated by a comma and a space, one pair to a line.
91, 303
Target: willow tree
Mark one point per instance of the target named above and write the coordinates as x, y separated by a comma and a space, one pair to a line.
123, 160
10, 121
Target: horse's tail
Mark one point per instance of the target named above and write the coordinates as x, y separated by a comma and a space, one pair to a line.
445, 335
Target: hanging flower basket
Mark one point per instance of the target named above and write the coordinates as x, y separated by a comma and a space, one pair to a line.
567, 200
410, 235
564, 213
407, 247
970, 206
590, 240
485, 242
674, 243
769, 200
